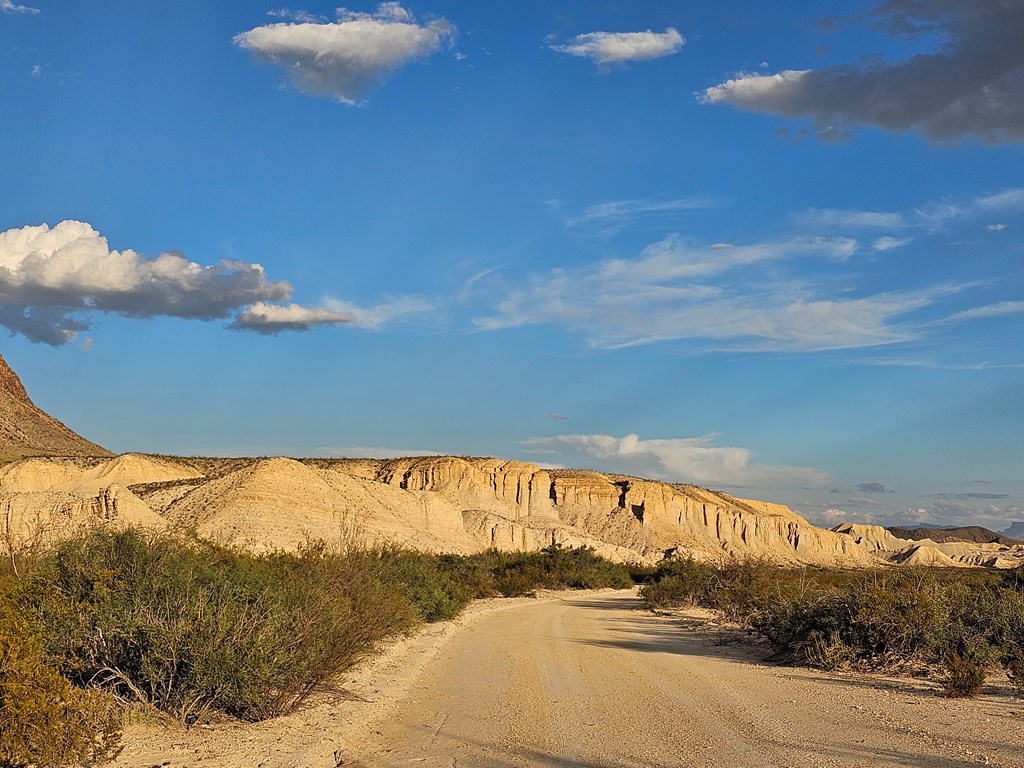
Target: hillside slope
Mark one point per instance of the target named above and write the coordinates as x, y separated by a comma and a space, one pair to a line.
973, 534
25, 430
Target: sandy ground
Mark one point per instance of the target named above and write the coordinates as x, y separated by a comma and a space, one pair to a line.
591, 680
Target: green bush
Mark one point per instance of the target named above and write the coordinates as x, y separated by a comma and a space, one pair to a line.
44, 720
188, 626
523, 573
965, 623
193, 628
431, 583
678, 582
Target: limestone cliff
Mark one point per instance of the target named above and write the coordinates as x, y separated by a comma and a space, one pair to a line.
447, 504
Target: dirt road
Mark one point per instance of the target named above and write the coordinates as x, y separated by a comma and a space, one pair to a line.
593, 681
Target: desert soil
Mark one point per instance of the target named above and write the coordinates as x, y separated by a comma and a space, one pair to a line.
592, 680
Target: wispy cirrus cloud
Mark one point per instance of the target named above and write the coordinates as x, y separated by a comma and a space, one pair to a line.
832, 218
345, 59
710, 295
372, 452
612, 216
931, 216
682, 460
889, 243
607, 49
970, 85
997, 309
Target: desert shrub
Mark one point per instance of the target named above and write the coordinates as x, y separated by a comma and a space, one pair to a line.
555, 567
963, 623
44, 720
432, 584
677, 582
190, 627
475, 572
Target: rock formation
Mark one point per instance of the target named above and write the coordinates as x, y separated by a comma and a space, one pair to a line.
965, 554
446, 504
974, 534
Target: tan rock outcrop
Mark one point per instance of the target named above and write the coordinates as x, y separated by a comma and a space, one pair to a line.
127, 470
48, 517
31, 475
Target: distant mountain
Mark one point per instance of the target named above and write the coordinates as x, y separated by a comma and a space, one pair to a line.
1015, 531
973, 534
25, 430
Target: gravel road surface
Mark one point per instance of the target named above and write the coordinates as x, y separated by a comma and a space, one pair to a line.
596, 682
592, 680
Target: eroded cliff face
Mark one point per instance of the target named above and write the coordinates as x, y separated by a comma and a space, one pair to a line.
889, 548
527, 507
445, 504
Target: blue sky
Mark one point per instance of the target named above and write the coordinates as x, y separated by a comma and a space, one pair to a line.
772, 250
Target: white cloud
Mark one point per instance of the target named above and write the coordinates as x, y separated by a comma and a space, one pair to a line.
888, 243
831, 218
8, 6
609, 48
666, 294
686, 460
53, 279
996, 227
954, 513
345, 59
272, 319
972, 84
372, 452
392, 310
303, 16
833, 516
989, 310
48, 275
937, 214
620, 211
933, 215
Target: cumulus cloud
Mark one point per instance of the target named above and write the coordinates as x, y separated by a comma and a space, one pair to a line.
970, 85
343, 60
53, 279
8, 6
996, 227
672, 291
611, 48
48, 276
271, 319
689, 460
